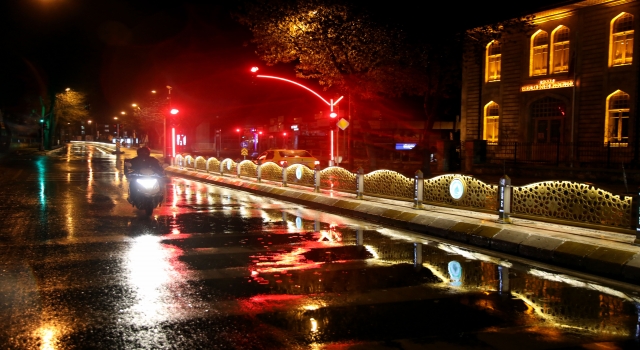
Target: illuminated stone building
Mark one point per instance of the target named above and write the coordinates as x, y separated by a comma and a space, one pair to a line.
563, 94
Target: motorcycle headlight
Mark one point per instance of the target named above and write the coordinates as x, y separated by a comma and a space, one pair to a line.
147, 183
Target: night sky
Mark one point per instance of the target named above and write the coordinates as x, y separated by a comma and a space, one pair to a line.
117, 51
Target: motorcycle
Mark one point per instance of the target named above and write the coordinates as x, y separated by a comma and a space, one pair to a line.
145, 190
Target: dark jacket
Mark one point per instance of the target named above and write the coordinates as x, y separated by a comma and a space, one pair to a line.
139, 163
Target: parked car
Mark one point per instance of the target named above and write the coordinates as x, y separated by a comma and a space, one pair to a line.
291, 156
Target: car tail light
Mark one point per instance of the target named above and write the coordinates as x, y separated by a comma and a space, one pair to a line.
282, 162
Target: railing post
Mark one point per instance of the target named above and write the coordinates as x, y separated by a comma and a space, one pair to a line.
206, 165
417, 256
504, 200
238, 169
418, 190
222, 168
360, 183
316, 180
284, 174
259, 172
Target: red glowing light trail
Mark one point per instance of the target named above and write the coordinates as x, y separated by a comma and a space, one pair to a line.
302, 86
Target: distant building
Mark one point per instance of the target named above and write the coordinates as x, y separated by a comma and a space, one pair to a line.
565, 93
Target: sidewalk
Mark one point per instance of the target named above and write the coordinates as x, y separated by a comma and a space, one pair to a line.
607, 254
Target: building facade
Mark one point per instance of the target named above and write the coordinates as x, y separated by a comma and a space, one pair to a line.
564, 93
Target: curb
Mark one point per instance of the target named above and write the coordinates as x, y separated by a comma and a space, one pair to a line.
620, 264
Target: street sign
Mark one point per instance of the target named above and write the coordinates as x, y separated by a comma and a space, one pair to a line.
342, 123
244, 152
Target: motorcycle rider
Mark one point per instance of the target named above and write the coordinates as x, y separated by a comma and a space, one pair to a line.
144, 160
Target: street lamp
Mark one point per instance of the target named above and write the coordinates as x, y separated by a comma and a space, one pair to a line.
331, 103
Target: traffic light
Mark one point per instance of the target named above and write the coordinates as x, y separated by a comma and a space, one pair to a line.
333, 114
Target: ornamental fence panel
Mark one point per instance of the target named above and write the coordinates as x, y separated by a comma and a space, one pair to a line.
555, 201
228, 166
213, 165
339, 179
388, 183
201, 163
248, 169
299, 174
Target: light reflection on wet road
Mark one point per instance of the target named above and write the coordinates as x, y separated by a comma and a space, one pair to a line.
215, 268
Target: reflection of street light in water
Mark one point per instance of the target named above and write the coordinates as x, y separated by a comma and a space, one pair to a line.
151, 267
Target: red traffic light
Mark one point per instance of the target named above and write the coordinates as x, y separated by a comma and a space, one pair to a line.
333, 114
174, 111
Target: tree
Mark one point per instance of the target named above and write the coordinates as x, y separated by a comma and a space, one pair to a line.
337, 44
70, 107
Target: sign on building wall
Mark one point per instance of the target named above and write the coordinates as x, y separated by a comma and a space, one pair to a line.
548, 84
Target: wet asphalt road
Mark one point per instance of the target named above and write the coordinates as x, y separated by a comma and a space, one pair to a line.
220, 269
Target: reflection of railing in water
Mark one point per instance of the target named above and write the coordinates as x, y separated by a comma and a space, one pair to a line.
486, 282
557, 201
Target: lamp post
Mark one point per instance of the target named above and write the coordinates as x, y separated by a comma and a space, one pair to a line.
117, 127
331, 103
164, 125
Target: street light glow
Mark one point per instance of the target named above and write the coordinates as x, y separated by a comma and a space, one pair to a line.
254, 69
123, 112
153, 91
134, 105
174, 111
300, 85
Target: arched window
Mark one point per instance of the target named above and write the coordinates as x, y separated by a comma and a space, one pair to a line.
616, 128
494, 53
491, 119
539, 53
547, 115
560, 50
621, 40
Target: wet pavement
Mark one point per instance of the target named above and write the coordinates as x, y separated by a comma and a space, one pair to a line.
217, 268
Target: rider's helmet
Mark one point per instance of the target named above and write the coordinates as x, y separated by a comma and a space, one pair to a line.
144, 152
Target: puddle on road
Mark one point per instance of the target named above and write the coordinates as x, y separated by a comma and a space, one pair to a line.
300, 265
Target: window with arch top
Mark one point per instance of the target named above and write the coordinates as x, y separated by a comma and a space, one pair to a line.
493, 59
539, 53
560, 50
491, 119
616, 127
621, 41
